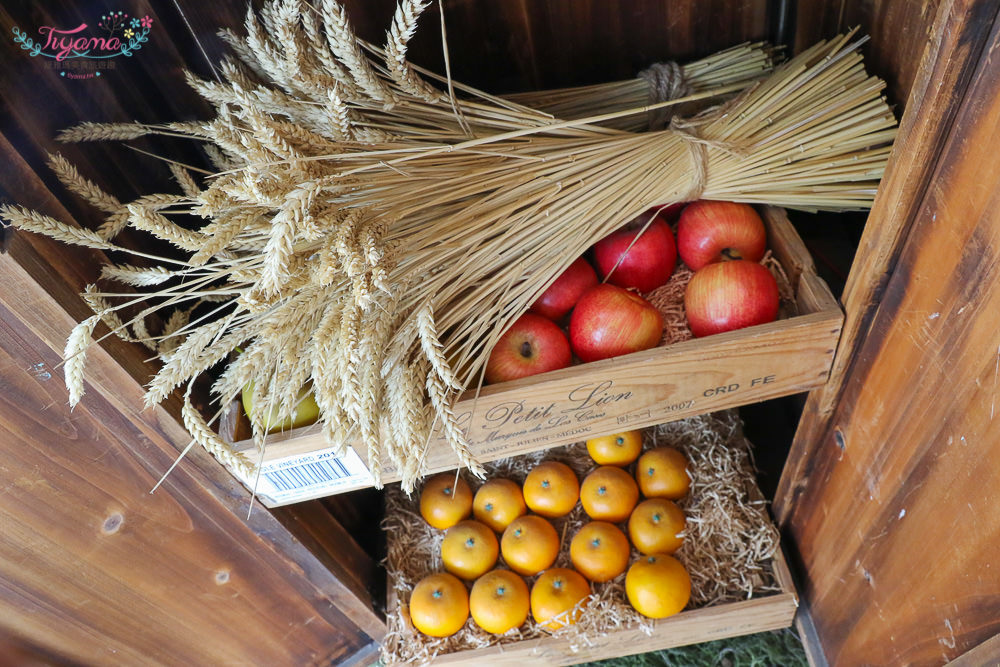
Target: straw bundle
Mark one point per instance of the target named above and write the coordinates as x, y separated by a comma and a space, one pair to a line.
372, 235
744, 64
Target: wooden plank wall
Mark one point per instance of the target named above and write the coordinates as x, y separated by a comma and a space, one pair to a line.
899, 30
500, 45
96, 569
889, 492
513, 45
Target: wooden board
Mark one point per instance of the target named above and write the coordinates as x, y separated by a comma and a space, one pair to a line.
576, 403
95, 569
772, 612
899, 31
987, 653
512, 45
889, 495
499, 45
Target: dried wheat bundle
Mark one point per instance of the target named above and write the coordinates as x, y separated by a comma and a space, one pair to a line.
370, 235
742, 64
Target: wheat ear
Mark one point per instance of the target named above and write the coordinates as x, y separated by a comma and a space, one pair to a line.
32, 221
102, 132
203, 434
432, 347
404, 24
343, 43
139, 276
75, 357
88, 190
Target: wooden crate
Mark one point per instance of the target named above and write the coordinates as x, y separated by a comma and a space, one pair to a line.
773, 604
769, 612
572, 404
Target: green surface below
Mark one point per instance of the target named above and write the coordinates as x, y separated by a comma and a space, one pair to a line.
780, 648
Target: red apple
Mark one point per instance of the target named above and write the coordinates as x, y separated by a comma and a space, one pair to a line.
562, 295
714, 231
730, 295
650, 261
532, 345
609, 321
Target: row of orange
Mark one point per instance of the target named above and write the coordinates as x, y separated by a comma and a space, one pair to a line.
657, 585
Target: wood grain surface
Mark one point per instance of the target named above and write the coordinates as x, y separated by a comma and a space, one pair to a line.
60, 273
987, 653
889, 494
899, 30
937, 96
642, 389
95, 568
770, 612
513, 45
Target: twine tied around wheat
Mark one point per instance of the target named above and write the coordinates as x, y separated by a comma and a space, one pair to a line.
666, 82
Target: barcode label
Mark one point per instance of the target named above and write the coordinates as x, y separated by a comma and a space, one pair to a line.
307, 474
311, 475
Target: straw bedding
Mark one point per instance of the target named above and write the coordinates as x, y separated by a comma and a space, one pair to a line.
729, 540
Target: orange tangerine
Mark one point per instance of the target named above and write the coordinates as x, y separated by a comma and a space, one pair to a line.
558, 591
469, 549
617, 449
655, 525
599, 551
445, 501
551, 489
499, 601
658, 586
439, 605
608, 494
498, 502
529, 545
662, 473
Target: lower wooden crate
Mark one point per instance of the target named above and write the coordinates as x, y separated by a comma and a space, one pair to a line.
738, 586
788, 356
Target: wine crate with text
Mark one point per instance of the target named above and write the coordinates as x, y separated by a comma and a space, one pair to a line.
662, 384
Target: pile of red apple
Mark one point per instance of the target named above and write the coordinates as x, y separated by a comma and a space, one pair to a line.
722, 242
